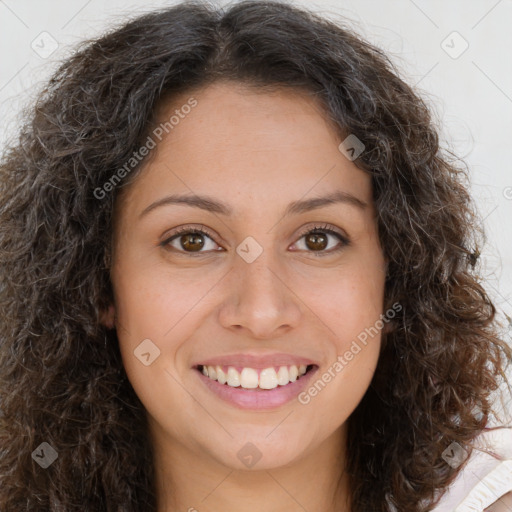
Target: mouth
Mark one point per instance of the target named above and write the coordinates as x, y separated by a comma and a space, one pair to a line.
255, 389
254, 379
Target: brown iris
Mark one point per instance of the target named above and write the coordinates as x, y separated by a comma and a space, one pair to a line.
316, 241
192, 241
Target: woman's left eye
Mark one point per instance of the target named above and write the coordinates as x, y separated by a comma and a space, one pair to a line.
318, 240
192, 241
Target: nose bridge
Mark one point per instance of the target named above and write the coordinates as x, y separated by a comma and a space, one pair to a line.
259, 285
259, 299
259, 277
256, 262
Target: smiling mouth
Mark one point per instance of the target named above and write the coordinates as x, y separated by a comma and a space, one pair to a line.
255, 379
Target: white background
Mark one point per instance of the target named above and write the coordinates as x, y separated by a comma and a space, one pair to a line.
471, 95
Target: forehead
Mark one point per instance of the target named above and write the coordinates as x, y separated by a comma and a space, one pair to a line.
249, 144
246, 118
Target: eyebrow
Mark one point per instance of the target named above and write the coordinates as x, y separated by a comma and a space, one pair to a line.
212, 205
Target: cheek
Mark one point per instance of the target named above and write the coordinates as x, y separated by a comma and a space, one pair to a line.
353, 316
149, 334
155, 314
338, 390
152, 302
348, 299
350, 304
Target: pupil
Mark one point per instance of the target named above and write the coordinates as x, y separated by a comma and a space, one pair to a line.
318, 241
193, 241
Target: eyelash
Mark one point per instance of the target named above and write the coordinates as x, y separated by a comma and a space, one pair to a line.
324, 228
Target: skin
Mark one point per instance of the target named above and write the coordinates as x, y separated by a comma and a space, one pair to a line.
257, 151
504, 504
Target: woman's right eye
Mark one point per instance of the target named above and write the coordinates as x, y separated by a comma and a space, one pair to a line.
190, 241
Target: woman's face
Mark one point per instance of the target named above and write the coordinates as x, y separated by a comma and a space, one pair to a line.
255, 293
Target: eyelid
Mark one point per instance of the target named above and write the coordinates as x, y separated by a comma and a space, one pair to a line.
329, 228
188, 228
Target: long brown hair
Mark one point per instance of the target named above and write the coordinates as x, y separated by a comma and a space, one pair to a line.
62, 381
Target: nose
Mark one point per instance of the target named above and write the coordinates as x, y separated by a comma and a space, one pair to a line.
259, 300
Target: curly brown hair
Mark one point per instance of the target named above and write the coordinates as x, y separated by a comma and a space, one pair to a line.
62, 380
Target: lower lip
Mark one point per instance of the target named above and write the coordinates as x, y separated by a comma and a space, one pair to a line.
258, 399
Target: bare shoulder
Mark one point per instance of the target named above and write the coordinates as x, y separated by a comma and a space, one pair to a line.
504, 504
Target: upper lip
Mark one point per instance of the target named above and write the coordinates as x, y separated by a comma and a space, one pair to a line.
256, 361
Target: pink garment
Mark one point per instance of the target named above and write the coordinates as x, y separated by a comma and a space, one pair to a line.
485, 478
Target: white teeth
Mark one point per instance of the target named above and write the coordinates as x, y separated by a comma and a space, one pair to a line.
248, 378
221, 376
233, 377
282, 376
212, 373
268, 378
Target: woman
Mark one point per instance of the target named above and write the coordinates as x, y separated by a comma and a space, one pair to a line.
237, 270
